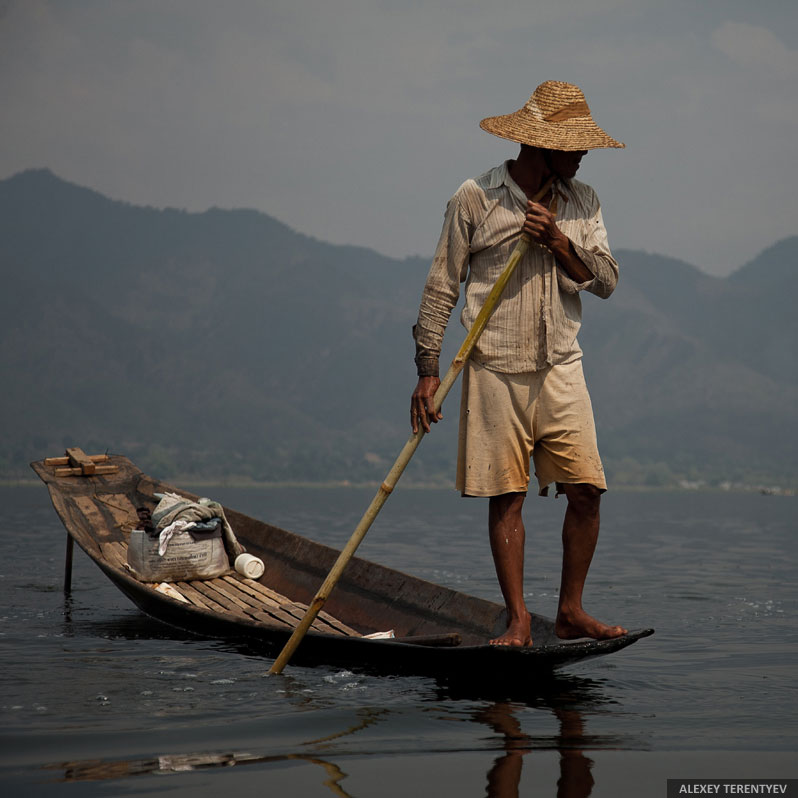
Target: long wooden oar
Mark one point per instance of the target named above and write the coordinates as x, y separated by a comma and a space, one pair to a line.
407, 451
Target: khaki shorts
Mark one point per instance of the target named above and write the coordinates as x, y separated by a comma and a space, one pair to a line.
507, 418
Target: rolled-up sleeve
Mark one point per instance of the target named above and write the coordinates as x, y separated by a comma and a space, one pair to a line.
449, 268
594, 251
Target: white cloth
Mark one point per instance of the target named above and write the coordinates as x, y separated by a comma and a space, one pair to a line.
166, 534
172, 507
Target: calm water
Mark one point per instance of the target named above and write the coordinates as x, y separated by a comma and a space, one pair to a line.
98, 700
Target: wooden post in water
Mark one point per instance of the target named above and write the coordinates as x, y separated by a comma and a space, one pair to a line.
70, 546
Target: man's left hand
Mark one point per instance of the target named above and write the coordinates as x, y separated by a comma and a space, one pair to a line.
540, 226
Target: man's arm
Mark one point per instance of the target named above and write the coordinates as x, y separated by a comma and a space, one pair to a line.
442, 289
588, 265
541, 227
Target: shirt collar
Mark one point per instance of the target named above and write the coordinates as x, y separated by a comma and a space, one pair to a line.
500, 176
506, 180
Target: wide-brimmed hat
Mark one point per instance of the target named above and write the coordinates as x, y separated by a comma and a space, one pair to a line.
556, 117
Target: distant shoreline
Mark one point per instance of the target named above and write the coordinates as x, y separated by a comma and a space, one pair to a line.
347, 485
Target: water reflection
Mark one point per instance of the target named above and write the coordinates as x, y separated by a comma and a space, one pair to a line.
504, 778
567, 700
96, 770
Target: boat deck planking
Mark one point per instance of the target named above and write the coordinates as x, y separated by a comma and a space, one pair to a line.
231, 593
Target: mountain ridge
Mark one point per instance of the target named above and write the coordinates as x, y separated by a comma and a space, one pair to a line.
224, 343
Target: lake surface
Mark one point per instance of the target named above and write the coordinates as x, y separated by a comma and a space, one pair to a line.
99, 700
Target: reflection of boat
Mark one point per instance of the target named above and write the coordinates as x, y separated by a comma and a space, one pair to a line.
99, 770
507, 747
438, 631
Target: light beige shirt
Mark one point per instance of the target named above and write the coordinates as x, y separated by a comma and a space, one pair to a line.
538, 317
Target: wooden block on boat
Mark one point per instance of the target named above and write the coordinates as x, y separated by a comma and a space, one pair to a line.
62, 461
79, 472
79, 459
77, 463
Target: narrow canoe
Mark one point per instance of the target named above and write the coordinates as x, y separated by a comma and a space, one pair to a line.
439, 632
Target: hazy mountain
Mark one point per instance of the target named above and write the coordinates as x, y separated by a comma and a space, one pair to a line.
696, 372
226, 344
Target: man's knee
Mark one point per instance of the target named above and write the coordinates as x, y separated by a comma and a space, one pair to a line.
506, 504
583, 498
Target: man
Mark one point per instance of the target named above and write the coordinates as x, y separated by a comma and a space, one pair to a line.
524, 393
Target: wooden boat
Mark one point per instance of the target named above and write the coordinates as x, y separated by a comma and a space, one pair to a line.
438, 632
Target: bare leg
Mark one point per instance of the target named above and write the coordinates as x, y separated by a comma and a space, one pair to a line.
579, 536
507, 536
505, 775
576, 780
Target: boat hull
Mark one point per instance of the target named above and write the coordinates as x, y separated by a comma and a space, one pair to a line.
99, 512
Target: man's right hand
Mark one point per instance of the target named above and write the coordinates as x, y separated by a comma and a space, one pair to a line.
422, 407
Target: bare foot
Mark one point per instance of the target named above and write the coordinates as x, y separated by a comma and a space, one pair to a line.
580, 624
517, 633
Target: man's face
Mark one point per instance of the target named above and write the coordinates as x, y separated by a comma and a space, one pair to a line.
565, 164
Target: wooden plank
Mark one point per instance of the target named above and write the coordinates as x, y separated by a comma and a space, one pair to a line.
62, 461
260, 613
78, 471
295, 609
339, 625
195, 597
115, 552
242, 605
258, 607
121, 508
250, 598
297, 614
270, 608
256, 590
268, 595
94, 517
243, 584
298, 611
79, 459
272, 594
229, 607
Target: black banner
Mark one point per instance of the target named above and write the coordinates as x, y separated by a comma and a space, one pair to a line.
727, 788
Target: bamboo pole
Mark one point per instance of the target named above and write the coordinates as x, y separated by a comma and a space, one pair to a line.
386, 488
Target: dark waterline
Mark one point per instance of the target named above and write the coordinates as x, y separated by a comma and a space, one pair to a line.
97, 699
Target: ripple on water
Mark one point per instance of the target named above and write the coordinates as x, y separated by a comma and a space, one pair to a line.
720, 659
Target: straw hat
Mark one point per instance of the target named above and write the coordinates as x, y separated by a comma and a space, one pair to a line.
556, 117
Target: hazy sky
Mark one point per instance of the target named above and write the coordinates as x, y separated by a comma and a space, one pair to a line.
355, 120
